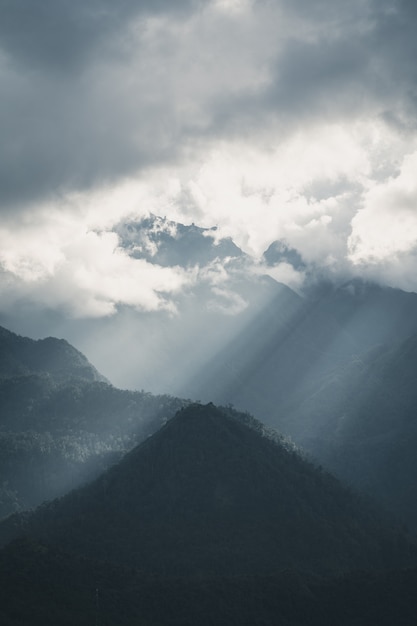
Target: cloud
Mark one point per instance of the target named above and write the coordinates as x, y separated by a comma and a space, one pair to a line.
284, 273
285, 120
60, 35
138, 101
387, 224
257, 196
383, 242
84, 273
99, 92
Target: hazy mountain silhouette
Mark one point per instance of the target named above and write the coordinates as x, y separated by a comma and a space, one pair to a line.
279, 356
293, 343
364, 408
367, 412
372, 314
210, 495
53, 357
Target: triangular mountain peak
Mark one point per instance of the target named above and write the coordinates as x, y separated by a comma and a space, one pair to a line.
209, 494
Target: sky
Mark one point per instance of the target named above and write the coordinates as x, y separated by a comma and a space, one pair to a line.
271, 120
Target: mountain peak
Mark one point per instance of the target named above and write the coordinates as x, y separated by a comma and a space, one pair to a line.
169, 243
209, 495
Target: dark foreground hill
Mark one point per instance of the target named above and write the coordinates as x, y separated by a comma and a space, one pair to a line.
209, 496
41, 586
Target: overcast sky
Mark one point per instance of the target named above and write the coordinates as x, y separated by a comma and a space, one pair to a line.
291, 120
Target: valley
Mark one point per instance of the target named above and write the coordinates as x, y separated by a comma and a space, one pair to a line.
201, 501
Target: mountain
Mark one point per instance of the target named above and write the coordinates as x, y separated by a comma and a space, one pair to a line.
61, 423
372, 314
368, 412
279, 252
211, 495
169, 243
333, 370
223, 293
160, 350
52, 357
293, 343
65, 435
310, 366
277, 359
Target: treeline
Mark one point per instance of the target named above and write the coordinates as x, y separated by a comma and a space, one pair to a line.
54, 435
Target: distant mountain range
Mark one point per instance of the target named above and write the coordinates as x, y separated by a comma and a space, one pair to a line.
294, 342
333, 370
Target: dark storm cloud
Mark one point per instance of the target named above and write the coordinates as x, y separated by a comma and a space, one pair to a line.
60, 34
395, 46
317, 78
60, 136
64, 125
80, 108
340, 60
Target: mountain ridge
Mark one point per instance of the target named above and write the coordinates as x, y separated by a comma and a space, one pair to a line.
50, 356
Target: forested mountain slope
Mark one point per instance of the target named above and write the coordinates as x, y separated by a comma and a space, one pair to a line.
211, 495
61, 423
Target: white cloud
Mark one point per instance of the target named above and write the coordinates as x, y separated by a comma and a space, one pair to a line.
257, 194
383, 243
387, 223
284, 273
66, 266
321, 190
270, 120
